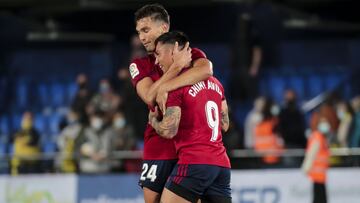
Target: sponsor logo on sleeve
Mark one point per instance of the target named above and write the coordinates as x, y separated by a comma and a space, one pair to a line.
134, 71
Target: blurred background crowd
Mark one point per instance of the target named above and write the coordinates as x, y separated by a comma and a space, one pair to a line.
67, 103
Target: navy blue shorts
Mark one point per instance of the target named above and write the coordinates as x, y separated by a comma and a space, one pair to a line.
155, 173
198, 181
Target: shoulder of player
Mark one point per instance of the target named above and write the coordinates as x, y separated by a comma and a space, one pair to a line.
140, 66
141, 61
195, 50
214, 79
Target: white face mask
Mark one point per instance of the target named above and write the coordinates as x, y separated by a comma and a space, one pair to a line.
275, 110
324, 127
96, 123
119, 123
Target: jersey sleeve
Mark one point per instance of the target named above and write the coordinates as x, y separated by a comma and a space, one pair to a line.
197, 54
138, 70
223, 91
174, 98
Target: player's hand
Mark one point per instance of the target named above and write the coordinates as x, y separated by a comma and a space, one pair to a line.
182, 58
161, 99
153, 114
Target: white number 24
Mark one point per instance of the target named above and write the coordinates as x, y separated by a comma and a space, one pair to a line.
151, 174
212, 117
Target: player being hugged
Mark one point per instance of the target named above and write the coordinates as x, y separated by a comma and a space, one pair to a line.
194, 118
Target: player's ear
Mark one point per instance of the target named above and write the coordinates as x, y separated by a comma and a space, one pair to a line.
165, 27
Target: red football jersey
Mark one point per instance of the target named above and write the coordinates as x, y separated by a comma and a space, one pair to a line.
155, 147
199, 138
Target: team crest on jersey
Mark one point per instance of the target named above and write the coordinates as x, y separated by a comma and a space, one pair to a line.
134, 71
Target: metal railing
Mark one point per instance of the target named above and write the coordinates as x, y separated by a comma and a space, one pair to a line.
237, 153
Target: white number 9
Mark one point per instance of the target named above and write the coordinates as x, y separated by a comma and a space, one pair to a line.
212, 117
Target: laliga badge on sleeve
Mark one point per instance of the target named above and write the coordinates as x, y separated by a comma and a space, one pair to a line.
134, 71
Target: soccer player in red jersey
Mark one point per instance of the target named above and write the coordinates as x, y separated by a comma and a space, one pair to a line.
194, 118
159, 153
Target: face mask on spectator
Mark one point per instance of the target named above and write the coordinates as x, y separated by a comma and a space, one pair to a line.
340, 114
71, 120
275, 110
104, 88
26, 124
96, 123
324, 127
119, 123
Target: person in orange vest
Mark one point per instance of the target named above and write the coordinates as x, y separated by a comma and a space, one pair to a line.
266, 140
316, 162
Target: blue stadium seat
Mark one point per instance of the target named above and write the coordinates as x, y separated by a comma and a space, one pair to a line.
332, 81
72, 88
48, 147
4, 125
43, 95
10, 149
40, 123
57, 91
297, 84
15, 122
2, 148
277, 87
315, 86
54, 121
22, 95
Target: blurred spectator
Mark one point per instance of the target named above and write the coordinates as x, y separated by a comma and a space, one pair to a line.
124, 139
137, 48
107, 101
134, 109
231, 138
346, 116
266, 138
82, 97
328, 111
247, 60
316, 160
97, 145
26, 148
292, 122
355, 137
69, 143
251, 121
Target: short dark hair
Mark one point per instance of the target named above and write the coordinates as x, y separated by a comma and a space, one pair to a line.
172, 37
155, 11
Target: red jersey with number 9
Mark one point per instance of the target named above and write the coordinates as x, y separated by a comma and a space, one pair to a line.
199, 138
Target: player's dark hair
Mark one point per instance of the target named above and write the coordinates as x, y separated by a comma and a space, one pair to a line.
155, 11
172, 37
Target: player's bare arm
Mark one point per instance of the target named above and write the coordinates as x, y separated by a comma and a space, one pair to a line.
224, 116
168, 127
201, 70
147, 89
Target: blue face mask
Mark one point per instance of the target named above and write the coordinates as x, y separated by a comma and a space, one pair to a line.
104, 88
340, 114
275, 110
324, 127
119, 123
